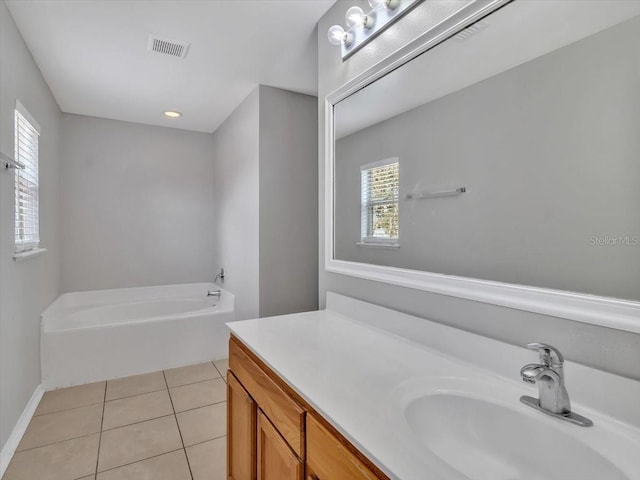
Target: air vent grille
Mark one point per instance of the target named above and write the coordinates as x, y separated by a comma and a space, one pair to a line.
471, 31
167, 46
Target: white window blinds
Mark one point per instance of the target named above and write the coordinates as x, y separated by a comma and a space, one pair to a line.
380, 185
27, 131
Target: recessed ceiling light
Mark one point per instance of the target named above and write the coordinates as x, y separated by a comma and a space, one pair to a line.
172, 114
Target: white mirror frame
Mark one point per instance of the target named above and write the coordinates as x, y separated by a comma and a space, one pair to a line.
596, 310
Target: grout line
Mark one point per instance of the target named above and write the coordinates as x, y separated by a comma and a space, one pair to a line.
217, 369
136, 394
139, 421
166, 387
201, 406
141, 460
68, 409
160, 454
195, 383
222, 374
55, 443
126, 425
163, 416
101, 425
123, 426
178, 424
208, 440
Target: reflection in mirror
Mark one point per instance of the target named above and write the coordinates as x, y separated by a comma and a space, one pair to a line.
508, 153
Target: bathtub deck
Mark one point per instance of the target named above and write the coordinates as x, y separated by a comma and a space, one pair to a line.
168, 425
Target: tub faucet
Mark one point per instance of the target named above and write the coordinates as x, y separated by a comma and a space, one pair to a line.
214, 293
219, 275
548, 375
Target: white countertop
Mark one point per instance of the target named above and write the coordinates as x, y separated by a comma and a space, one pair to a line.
357, 376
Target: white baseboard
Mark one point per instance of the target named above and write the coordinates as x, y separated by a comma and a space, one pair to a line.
6, 454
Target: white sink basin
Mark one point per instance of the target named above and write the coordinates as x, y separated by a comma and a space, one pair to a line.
481, 431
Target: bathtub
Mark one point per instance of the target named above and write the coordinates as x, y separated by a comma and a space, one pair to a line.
106, 334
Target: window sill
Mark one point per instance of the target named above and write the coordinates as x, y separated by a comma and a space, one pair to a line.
21, 256
378, 245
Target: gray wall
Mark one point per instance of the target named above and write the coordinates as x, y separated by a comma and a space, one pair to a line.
607, 349
265, 181
235, 155
288, 202
135, 205
26, 287
546, 169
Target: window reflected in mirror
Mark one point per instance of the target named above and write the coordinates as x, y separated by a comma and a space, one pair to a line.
519, 148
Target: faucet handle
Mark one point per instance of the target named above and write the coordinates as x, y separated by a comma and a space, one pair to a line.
549, 356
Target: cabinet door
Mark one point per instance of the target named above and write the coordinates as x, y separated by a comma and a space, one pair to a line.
276, 460
241, 432
281, 410
329, 459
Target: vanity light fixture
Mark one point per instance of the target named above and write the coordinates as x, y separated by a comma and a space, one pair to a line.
337, 36
362, 27
390, 4
355, 17
172, 114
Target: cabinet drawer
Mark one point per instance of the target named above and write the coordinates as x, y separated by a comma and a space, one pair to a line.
329, 459
284, 412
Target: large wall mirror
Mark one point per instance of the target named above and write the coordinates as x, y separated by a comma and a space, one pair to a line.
503, 161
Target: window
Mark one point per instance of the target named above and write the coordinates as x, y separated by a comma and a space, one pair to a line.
27, 131
380, 184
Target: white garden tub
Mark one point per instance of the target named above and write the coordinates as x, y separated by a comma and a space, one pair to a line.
105, 334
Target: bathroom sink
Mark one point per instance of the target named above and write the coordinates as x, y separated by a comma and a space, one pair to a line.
482, 432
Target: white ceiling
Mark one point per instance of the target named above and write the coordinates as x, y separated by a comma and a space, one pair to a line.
515, 34
93, 54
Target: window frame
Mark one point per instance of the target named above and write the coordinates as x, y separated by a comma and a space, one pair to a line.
365, 239
28, 244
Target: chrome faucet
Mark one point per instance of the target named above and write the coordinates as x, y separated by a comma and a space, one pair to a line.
219, 275
214, 293
548, 375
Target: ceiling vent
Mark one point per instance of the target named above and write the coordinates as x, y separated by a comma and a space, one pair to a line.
471, 31
168, 46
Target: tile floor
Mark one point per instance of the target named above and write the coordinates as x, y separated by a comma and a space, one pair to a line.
167, 425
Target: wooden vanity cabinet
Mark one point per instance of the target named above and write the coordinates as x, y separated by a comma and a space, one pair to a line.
241, 431
329, 458
276, 460
273, 434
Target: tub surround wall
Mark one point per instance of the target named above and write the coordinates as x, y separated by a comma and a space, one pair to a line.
235, 155
135, 205
607, 349
266, 202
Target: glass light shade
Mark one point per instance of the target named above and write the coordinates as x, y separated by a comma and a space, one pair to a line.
390, 4
336, 35
355, 16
